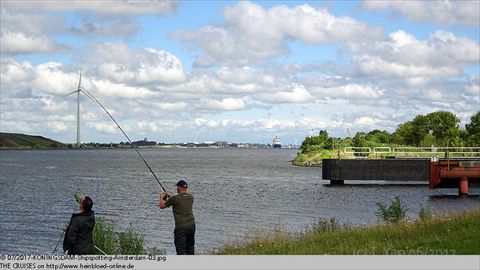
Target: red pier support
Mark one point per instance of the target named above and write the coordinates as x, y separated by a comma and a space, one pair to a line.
463, 186
446, 174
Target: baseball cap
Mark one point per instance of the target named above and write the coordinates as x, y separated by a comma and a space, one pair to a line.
182, 183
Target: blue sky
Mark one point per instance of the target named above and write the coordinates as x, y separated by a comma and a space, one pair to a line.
241, 71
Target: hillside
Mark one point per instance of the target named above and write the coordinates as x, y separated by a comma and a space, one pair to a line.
23, 141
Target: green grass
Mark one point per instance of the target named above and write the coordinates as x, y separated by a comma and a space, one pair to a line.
22, 141
449, 234
314, 158
128, 242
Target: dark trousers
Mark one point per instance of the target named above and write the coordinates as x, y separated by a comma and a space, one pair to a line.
185, 240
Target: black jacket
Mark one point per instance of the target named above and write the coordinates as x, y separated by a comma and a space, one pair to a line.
79, 235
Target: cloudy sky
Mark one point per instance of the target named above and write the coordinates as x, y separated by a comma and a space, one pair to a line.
237, 71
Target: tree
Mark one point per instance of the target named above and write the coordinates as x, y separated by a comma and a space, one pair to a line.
360, 139
419, 130
444, 126
440, 127
473, 130
411, 132
315, 142
379, 136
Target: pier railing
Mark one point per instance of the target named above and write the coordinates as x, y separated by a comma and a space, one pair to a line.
409, 152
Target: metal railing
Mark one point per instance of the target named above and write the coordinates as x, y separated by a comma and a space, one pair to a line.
358, 152
410, 152
439, 152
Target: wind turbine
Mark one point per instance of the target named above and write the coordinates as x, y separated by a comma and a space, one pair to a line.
195, 133
79, 89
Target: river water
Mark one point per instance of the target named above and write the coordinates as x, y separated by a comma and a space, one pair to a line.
238, 193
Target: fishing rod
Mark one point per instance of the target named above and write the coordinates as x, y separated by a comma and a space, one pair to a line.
94, 99
59, 239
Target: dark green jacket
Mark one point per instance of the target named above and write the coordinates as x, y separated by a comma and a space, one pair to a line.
79, 235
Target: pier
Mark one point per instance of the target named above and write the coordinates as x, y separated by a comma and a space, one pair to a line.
437, 167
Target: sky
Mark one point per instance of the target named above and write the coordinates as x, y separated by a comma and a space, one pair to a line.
236, 71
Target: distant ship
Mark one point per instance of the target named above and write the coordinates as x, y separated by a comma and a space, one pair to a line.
277, 142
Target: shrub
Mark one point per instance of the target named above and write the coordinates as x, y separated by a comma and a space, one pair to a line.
326, 225
104, 237
393, 213
115, 243
425, 213
130, 242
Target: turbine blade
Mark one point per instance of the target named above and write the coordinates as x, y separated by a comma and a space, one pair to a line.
80, 79
71, 93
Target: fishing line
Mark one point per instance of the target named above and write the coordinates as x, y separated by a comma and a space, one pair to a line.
94, 99
59, 239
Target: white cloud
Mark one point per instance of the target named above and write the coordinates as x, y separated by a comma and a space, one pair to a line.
30, 23
55, 106
208, 123
365, 121
147, 126
243, 75
472, 89
443, 12
28, 28
296, 95
417, 81
105, 7
403, 55
16, 72
160, 66
108, 128
108, 88
267, 125
115, 61
226, 104
28, 33
223, 81
21, 43
51, 78
57, 126
253, 33
172, 106
434, 95
349, 91
114, 27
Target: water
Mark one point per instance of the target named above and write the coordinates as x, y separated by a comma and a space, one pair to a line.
238, 192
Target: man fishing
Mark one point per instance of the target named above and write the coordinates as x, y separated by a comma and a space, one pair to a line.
182, 203
79, 234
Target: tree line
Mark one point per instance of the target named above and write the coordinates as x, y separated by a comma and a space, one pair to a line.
441, 129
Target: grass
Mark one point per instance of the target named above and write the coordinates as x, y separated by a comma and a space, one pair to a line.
445, 235
22, 141
314, 158
128, 242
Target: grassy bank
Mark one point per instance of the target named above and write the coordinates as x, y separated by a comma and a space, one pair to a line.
16, 141
314, 158
449, 234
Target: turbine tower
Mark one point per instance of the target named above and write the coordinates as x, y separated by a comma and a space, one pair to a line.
78, 106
